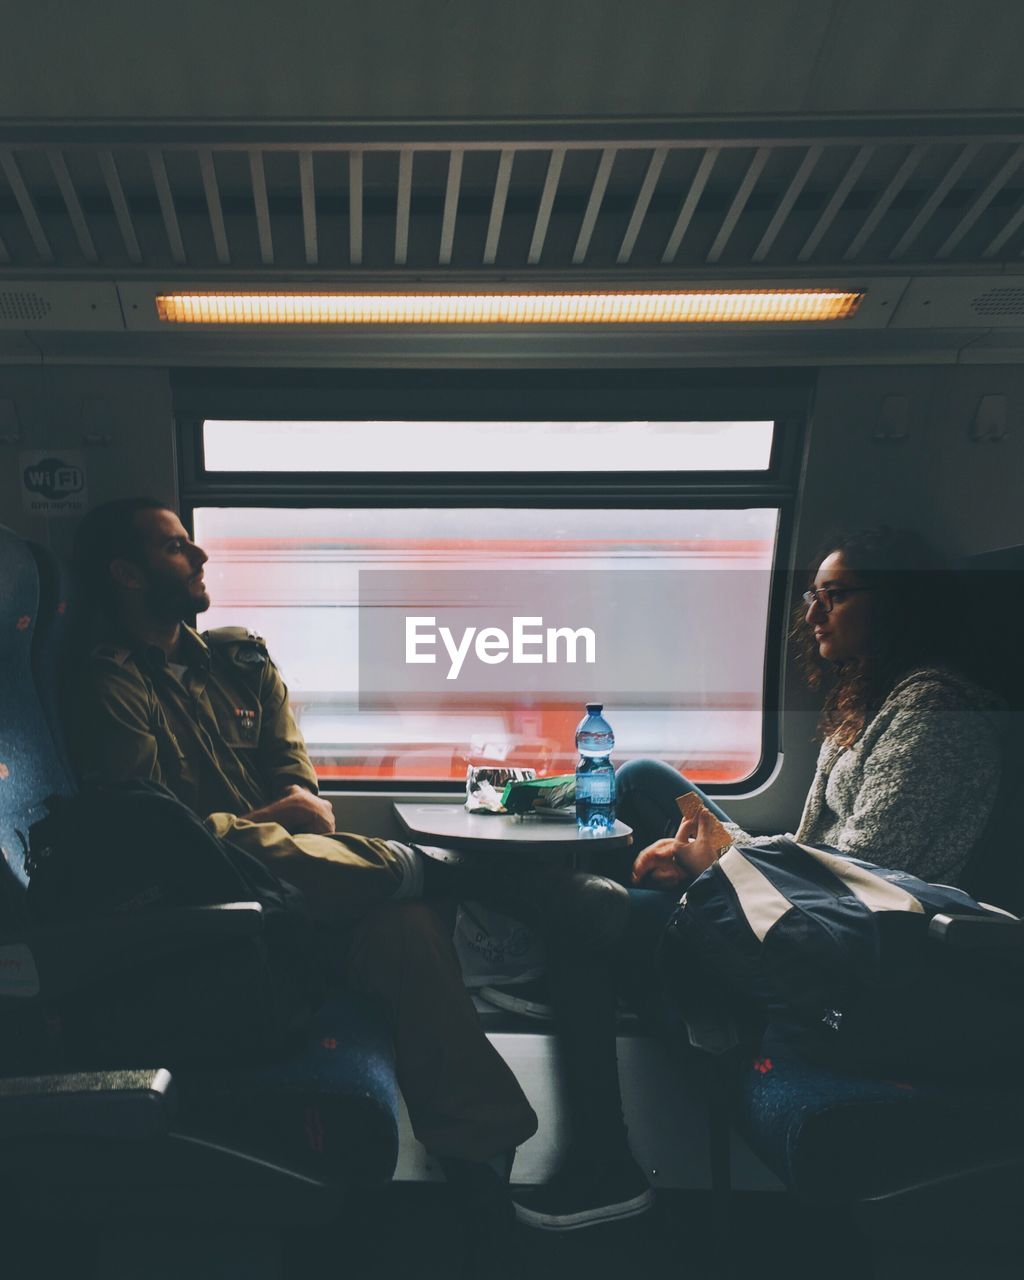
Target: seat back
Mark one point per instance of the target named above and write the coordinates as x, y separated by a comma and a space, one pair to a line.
31, 765
995, 873
54, 643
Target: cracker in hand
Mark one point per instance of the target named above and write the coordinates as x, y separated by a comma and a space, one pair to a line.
691, 805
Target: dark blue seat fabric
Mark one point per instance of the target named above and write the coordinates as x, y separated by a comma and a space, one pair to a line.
30, 765
333, 1105
52, 643
332, 1108
833, 1136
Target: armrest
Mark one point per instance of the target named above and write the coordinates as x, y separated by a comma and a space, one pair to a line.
713, 1034
123, 1105
977, 932
55, 959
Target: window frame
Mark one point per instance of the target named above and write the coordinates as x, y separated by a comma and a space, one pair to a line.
569, 395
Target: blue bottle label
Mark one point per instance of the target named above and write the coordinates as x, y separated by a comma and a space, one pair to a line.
599, 789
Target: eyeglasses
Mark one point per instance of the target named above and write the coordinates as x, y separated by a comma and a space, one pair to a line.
828, 597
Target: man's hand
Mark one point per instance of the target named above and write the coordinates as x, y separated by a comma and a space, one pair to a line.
299, 811
671, 862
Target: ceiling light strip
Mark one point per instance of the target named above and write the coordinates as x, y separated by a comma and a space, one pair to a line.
712, 306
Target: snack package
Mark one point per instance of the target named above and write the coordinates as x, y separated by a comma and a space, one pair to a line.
550, 797
483, 784
691, 805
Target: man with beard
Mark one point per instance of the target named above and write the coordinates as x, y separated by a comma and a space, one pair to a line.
208, 716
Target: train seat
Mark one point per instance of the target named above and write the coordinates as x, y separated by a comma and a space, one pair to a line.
928, 1169
836, 1137
53, 642
270, 1142
830, 1135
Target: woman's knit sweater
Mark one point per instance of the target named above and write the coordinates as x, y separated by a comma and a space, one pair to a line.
915, 790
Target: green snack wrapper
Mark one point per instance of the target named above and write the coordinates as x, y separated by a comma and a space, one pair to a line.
554, 796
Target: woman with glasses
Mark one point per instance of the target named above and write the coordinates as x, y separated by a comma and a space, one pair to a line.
909, 761
906, 778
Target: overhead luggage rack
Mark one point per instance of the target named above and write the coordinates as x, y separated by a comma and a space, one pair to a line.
668, 199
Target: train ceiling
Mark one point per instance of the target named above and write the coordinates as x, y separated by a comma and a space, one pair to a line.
565, 143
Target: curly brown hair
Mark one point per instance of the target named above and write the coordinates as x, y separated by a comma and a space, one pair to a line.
915, 622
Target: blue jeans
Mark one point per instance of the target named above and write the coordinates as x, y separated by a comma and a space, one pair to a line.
585, 981
646, 792
645, 799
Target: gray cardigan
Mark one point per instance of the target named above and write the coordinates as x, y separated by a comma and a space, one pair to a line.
915, 790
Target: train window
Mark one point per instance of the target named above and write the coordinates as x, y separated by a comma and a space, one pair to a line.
687, 591
464, 446
428, 550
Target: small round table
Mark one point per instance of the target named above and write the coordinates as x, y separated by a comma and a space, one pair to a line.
456, 831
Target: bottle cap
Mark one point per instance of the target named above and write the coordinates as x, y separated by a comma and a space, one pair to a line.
595, 706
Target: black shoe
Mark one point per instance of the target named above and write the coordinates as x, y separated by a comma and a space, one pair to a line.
487, 1217
531, 999
584, 1194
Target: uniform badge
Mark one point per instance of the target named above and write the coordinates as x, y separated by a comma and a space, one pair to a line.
252, 651
246, 721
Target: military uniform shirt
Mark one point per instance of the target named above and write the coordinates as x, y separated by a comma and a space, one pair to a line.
216, 728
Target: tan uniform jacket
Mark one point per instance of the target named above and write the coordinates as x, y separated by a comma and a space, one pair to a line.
222, 737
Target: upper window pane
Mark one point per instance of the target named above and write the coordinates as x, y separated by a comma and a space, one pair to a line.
431, 446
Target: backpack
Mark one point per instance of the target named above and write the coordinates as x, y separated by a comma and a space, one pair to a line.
135, 848
833, 954
494, 949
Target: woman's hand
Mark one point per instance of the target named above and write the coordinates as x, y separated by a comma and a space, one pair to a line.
671, 862
699, 846
658, 866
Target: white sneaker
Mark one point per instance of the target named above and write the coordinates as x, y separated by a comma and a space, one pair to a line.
580, 1196
530, 999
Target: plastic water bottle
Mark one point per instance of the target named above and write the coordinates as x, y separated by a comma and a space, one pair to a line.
595, 774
